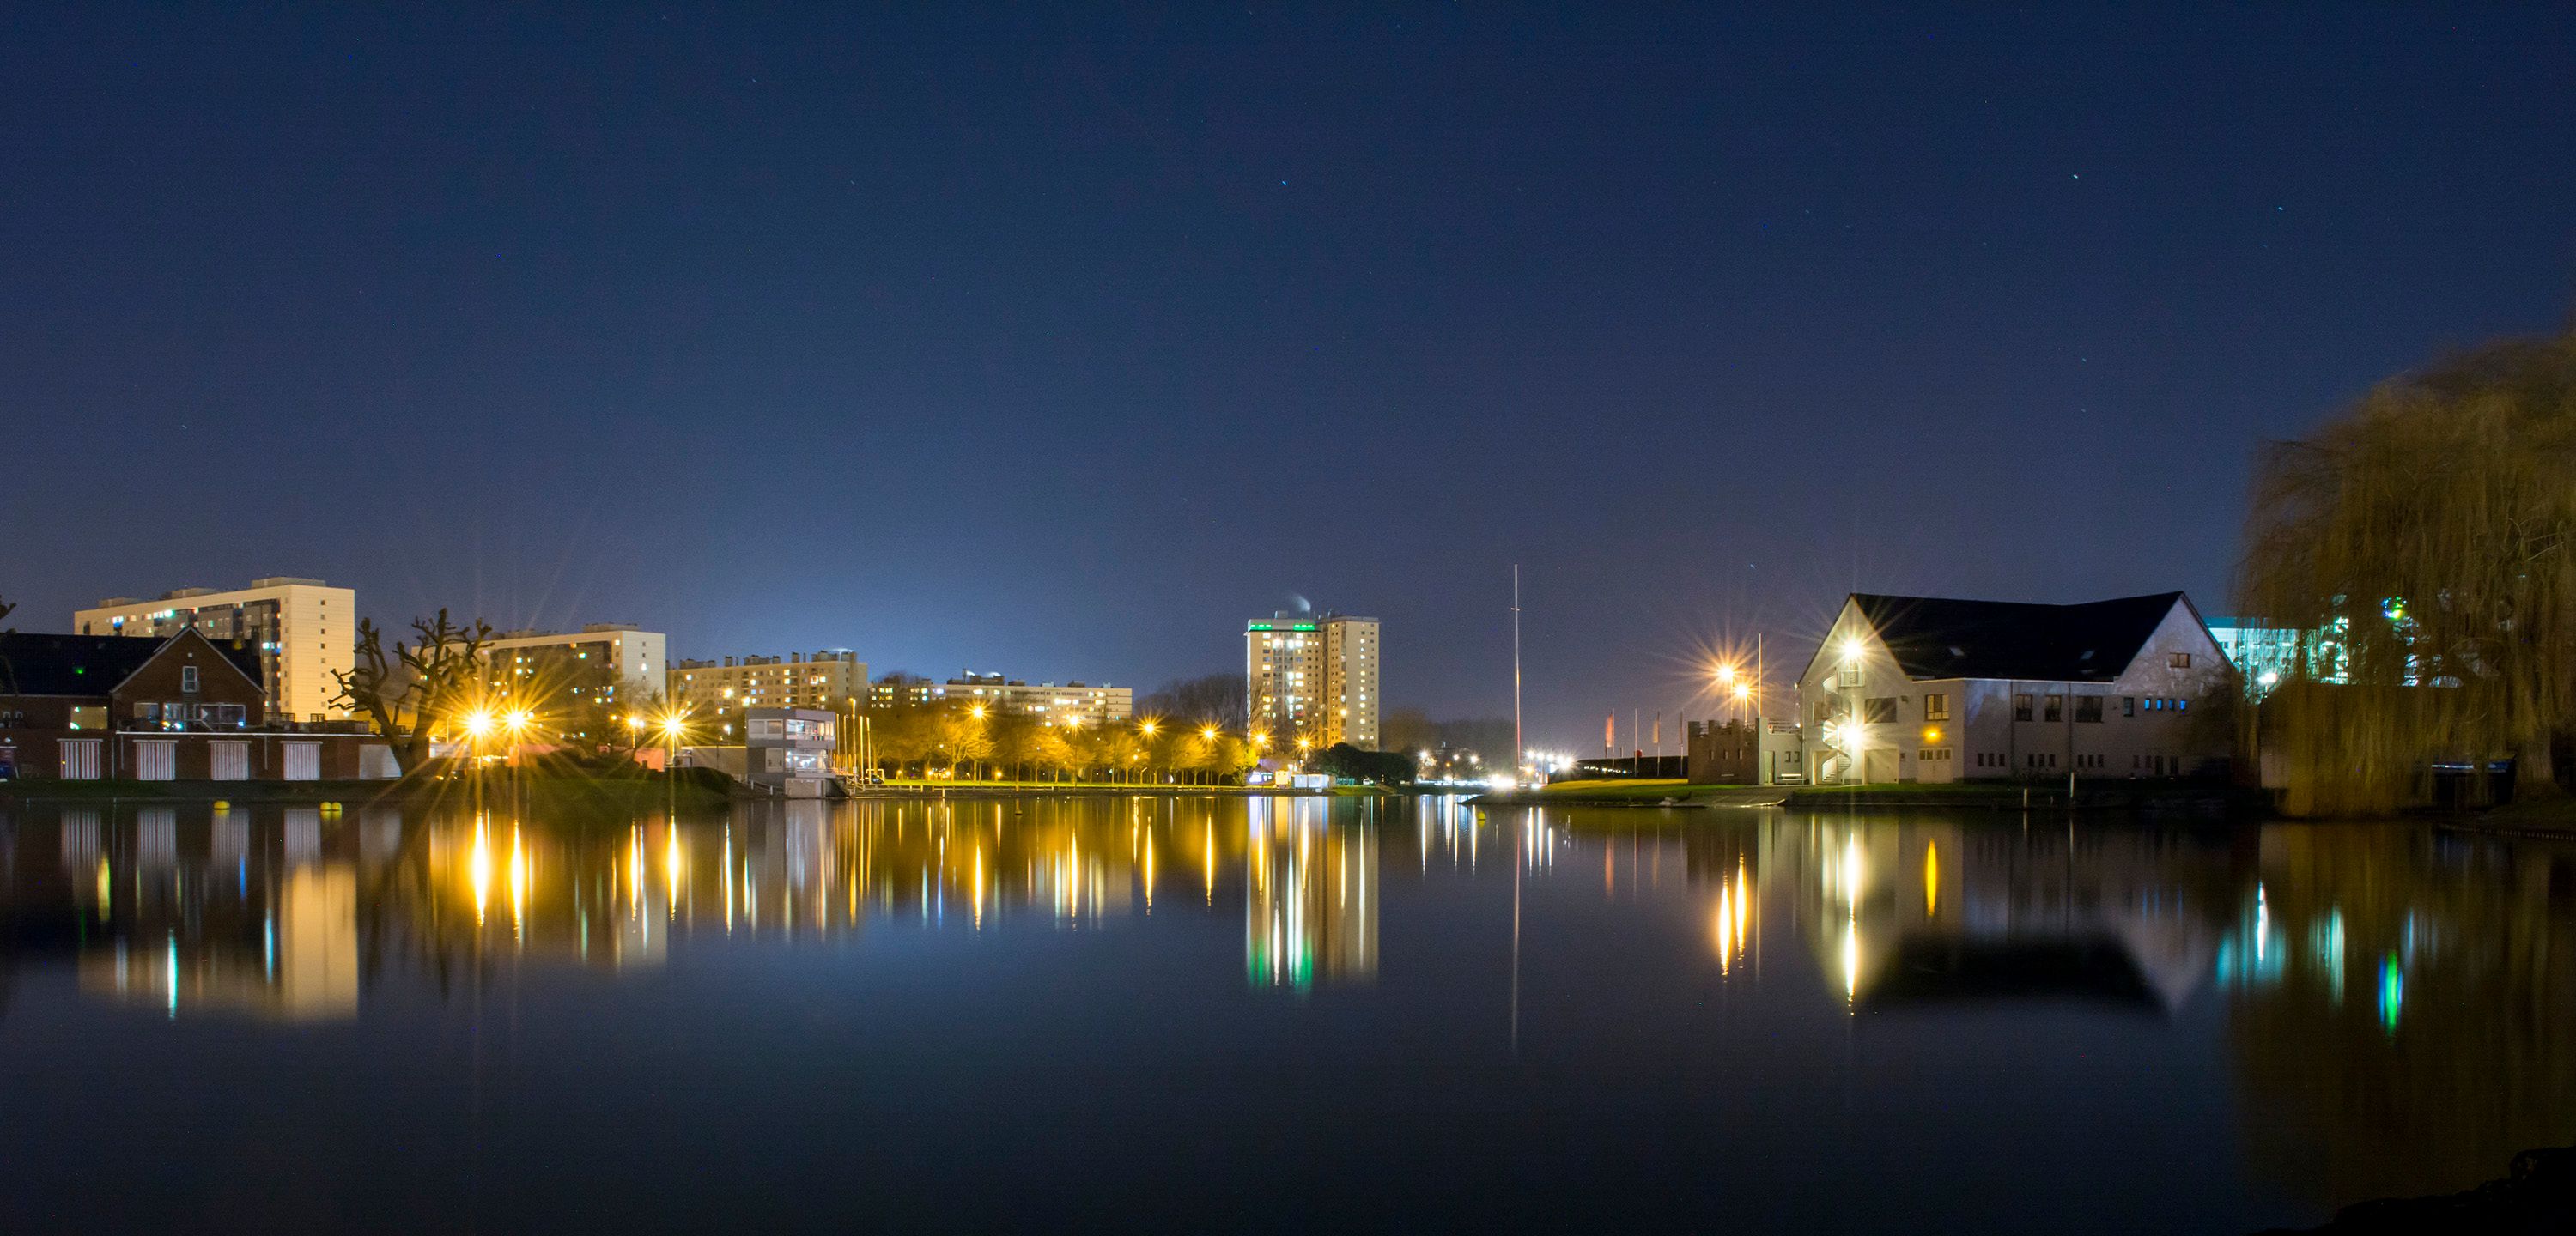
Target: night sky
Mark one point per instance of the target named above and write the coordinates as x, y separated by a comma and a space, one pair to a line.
1060, 344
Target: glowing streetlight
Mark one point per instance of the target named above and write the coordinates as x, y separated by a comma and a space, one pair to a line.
1148, 727
976, 712
1726, 673
478, 724
1209, 733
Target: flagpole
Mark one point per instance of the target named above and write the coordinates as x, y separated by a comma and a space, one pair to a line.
1519, 744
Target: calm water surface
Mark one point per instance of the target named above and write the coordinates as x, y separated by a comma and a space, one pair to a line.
1227, 1014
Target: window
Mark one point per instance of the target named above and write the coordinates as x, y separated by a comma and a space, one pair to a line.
2128, 705
2056, 707
187, 681
2088, 708
2181, 660
1824, 710
2021, 707
1936, 707
1880, 711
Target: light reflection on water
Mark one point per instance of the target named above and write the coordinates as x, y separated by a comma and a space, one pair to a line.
2293, 1016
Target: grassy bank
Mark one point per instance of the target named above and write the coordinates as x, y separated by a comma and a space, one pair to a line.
914, 789
2553, 814
1991, 796
1607, 792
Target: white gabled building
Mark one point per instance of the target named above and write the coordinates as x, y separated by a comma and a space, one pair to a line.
1935, 689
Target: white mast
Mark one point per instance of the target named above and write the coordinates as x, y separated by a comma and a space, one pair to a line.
1519, 744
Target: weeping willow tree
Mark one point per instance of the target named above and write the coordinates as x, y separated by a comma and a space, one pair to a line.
2424, 544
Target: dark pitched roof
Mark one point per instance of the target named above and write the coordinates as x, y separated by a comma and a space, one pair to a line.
93, 664
1937, 637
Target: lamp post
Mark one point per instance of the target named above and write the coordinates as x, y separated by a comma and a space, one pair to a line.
478, 726
672, 724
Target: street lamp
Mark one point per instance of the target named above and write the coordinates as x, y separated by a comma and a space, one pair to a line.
672, 725
478, 726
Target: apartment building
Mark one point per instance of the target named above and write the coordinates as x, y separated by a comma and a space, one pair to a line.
1085, 703
827, 680
623, 662
300, 630
1313, 677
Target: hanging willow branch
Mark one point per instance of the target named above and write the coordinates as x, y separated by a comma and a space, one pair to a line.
2431, 530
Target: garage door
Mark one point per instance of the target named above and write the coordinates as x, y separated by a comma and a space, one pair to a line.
1880, 765
228, 761
156, 759
80, 759
303, 761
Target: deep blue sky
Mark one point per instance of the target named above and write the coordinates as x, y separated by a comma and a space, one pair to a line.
1060, 344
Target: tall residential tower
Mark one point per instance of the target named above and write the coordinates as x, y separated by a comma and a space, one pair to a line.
1313, 677
302, 629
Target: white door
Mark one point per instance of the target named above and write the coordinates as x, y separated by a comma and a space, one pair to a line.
303, 761
80, 759
228, 761
1878, 766
377, 763
156, 759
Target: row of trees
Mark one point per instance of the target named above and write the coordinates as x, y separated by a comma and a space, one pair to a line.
960, 738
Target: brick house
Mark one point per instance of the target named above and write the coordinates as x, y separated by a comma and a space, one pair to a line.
185, 708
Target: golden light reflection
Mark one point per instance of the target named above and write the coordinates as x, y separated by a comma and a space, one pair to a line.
1725, 924
478, 867
518, 886
1851, 870
1851, 961
1931, 879
1733, 919
671, 868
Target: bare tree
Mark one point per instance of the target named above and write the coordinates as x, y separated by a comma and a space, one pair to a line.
419, 686
1209, 699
